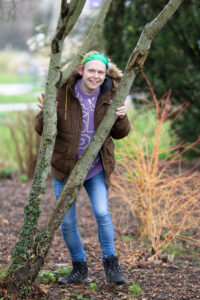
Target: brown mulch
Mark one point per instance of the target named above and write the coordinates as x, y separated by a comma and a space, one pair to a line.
160, 279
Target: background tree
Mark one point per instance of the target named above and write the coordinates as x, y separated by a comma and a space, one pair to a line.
114, 33
175, 57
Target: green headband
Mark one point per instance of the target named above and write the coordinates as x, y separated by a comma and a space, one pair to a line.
96, 56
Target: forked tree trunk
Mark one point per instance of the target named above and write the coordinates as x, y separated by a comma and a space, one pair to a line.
33, 245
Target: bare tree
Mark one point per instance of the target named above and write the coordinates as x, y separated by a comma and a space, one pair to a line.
33, 245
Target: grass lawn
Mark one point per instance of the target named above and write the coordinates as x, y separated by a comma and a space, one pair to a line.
11, 78
26, 98
6, 77
143, 133
145, 124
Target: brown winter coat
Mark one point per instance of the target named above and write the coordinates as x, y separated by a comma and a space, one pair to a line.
69, 127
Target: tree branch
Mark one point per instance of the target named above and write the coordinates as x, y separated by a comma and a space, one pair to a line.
75, 9
135, 63
88, 41
24, 249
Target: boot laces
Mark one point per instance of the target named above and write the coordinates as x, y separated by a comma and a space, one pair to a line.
77, 270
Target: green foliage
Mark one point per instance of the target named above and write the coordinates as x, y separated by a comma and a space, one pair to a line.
115, 38
181, 249
3, 272
47, 277
174, 58
23, 178
128, 238
63, 271
6, 172
144, 120
136, 289
93, 286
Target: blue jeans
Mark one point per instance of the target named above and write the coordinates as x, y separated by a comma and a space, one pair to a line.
98, 194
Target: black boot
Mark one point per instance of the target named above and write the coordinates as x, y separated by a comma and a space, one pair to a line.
112, 270
78, 273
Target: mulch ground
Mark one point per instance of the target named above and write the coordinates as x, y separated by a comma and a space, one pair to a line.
160, 279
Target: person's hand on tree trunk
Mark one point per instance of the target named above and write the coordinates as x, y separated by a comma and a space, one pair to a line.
40, 103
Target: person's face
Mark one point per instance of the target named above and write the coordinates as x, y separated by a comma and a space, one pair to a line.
93, 74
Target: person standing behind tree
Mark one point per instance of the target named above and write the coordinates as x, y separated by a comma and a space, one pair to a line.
81, 105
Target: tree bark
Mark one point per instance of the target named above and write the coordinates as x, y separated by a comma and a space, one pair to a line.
33, 246
22, 271
134, 65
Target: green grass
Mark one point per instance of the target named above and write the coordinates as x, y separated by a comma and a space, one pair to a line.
8, 77
12, 78
26, 98
7, 151
145, 124
181, 250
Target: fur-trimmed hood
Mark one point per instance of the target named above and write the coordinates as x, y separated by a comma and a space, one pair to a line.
111, 81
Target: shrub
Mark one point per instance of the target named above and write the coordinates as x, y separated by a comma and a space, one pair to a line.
164, 203
26, 141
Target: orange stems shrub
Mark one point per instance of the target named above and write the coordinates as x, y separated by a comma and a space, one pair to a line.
164, 202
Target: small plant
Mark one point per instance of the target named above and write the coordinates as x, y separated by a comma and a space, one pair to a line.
23, 178
63, 271
136, 290
6, 172
47, 277
3, 272
93, 286
128, 238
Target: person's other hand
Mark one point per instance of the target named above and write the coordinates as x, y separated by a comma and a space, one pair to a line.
41, 100
121, 111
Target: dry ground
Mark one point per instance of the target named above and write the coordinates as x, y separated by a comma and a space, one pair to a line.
158, 280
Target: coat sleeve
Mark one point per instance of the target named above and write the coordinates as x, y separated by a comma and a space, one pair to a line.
39, 123
121, 128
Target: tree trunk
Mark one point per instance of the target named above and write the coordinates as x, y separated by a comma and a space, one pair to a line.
22, 271
33, 246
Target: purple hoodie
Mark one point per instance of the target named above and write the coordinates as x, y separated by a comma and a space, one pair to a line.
88, 103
